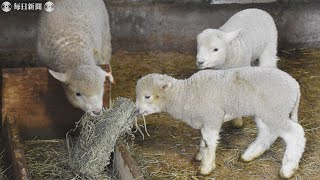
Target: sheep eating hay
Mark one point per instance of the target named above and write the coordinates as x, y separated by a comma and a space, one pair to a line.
90, 154
209, 98
72, 40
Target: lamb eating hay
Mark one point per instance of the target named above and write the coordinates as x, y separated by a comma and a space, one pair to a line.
209, 98
90, 154
248, 35
72, 39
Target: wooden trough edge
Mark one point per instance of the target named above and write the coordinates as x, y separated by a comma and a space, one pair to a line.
13, 118
126, 167
15, 147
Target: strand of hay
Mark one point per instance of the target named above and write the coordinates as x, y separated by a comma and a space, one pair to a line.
2, 170
90, 154
4, 166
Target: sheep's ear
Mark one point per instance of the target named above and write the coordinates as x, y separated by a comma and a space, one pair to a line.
59, 76
165, 85
109, 75
231, 35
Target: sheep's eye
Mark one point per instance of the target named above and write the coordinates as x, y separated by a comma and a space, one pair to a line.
215, 49
147, 97
78, 94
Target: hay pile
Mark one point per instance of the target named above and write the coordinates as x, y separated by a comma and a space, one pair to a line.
85, 156
47, 159
90, 153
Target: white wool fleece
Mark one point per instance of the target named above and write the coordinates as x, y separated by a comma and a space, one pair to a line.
209, 98
72, 40
248, 35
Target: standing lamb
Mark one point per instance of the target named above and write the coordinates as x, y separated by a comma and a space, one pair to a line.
248, 35
209, 98
72, 39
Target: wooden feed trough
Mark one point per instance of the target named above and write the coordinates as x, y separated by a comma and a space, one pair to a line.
34, 105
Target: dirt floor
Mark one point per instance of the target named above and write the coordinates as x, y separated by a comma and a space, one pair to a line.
168, 152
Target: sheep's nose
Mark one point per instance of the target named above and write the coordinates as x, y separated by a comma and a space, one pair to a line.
96, 112
200, 63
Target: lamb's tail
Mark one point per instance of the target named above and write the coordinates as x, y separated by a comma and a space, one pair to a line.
294, 112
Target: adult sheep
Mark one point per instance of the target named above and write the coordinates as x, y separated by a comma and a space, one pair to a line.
209, 98
72, 40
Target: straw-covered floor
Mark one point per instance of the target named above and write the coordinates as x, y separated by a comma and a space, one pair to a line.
4, 167
86, 152
168, 152
2, 170
47, 159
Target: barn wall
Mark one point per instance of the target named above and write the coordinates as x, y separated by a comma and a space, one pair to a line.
174, 26
139, 25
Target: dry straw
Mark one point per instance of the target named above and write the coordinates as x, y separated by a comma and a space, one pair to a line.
2, 170
47, 159
90, 153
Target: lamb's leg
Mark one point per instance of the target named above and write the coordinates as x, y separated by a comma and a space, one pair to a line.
268, 57
210, 137
263, 142
199, 154
237, 123
295, 144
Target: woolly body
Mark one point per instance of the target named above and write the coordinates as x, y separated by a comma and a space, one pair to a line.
209, 98
72, 39
248, 35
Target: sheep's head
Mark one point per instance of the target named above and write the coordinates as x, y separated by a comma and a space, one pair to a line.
84, 87
212, 46
151, 93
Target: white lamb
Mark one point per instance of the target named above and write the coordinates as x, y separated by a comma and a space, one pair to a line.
248, 35
72, 39
209, 98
